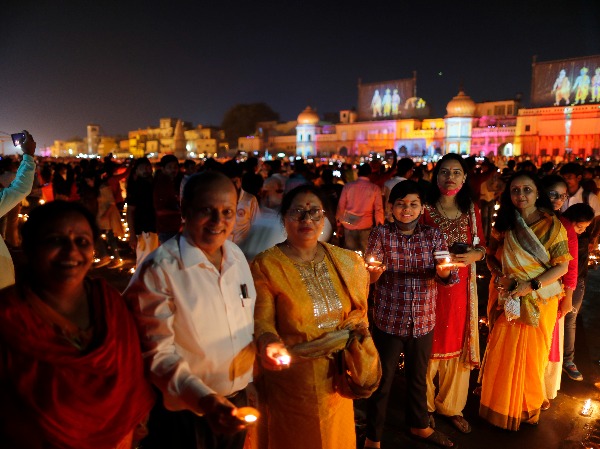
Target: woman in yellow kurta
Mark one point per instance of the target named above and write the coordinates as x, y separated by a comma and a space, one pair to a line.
527, 255
306, 290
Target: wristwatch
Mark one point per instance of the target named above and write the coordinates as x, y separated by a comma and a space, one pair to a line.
535, 284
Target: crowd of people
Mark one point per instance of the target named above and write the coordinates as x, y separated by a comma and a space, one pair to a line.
259, 284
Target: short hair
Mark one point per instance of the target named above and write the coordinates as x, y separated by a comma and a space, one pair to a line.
404, 165
168, 158
404, 188
189, 163
364, 170
571, 168
232, 169
202, 181
579, 213
40, 216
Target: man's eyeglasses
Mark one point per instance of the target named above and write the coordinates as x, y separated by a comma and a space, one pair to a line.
300, 214
554, 195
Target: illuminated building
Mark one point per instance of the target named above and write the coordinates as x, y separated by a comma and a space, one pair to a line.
554, 133
459, 124
306, 131
176, 137
93, 138
464, 130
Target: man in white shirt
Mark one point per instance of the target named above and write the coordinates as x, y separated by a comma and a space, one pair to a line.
193, 299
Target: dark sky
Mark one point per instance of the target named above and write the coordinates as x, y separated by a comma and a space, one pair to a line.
124, 65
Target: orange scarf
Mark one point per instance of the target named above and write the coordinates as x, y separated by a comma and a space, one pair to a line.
53, 394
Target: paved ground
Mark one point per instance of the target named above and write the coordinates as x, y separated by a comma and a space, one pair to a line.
561, 427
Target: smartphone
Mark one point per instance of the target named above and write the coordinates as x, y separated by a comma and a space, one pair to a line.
390, 154
459, 248
18, 139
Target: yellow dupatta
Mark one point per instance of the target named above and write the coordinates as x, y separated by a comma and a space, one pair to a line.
524, 258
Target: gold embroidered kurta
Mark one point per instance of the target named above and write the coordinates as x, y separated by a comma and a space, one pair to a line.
299, 303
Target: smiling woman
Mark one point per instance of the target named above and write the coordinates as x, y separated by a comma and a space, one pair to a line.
71, 372
527, 255
308, 294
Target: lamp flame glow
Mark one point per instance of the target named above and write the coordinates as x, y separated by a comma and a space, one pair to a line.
587, 408
284, 359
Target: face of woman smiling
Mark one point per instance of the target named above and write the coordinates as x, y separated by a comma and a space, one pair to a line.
559, 196
64, 252
407, 209
304, 230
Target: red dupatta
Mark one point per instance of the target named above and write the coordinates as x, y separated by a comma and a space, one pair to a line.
55, 395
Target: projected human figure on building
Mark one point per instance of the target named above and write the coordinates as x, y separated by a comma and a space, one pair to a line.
596, 86
376, 104
387, 103
395, 102
581, 86
562, 88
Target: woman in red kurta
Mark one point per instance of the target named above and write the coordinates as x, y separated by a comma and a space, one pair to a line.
455, 348
71, 370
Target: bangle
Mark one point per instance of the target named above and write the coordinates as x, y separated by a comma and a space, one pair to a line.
481, 250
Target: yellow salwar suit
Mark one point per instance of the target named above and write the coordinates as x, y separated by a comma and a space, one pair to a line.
300, 303
517, 351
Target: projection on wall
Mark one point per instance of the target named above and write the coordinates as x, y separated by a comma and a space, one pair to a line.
389, 99
567, 82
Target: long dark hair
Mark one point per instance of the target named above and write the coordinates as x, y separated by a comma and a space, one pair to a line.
506, 214
463, 197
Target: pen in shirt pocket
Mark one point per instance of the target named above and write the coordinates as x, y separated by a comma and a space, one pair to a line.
244, 293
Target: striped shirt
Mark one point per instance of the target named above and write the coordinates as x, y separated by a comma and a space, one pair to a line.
406, 292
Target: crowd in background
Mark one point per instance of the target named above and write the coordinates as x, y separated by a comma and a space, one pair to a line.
419, 229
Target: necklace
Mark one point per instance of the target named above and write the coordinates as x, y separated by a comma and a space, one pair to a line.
445, 214
296, 250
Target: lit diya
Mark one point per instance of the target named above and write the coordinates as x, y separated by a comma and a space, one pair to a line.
587, 408
374, 263
248, 414
284, 359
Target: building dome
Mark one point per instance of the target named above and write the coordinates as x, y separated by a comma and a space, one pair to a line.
461, 106
308, 117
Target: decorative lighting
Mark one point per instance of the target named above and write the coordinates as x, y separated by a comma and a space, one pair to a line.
284, 359
587, 409
374, 263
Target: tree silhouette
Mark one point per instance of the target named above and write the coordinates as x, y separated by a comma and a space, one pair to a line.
241, 120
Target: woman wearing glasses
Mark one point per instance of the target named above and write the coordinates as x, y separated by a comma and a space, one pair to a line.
528, 254
306, 290
556, 188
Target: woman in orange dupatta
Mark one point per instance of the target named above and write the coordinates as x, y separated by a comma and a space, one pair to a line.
527, 255
71, 370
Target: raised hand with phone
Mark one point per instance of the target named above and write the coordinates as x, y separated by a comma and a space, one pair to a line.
13, 195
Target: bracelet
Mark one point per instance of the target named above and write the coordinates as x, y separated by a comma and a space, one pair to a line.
481, 250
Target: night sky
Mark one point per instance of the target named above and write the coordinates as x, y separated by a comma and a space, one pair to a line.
124, 65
